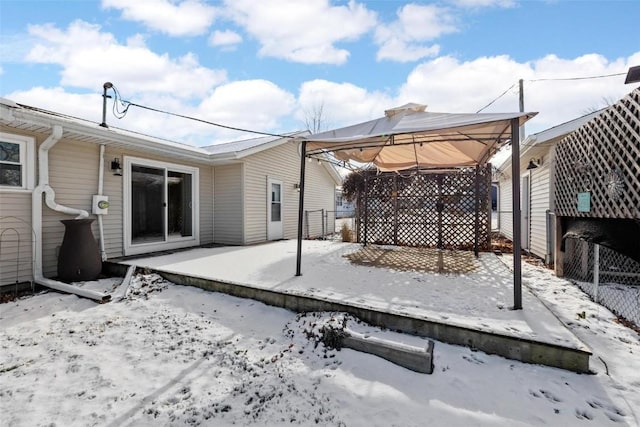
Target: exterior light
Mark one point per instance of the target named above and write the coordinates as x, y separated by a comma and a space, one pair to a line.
116, 168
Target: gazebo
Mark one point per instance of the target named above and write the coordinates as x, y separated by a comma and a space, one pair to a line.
408, 137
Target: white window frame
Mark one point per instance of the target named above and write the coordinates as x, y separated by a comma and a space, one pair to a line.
172, 242
27, 161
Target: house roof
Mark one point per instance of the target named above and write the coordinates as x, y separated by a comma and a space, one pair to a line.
32, 119
562, 129
37, 120
246, 147
549, 137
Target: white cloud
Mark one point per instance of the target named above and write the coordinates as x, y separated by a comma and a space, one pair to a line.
404, 39
249, 104
446, 84
186, 18
57, 99
342, 104
89, 57
225, 38
484, 3
302, 31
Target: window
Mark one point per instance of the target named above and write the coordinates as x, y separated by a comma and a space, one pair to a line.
16, 162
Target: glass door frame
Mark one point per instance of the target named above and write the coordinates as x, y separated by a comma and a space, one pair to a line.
170, 241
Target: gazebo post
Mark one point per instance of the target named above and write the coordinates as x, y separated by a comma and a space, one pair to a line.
303, 162
366, 206
517, 232
476, 250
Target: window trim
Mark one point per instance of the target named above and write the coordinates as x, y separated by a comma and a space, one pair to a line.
27, 161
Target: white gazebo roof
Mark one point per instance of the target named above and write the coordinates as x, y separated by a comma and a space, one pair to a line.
409, 137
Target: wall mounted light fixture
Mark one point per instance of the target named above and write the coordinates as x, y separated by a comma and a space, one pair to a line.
116, 168
534, 163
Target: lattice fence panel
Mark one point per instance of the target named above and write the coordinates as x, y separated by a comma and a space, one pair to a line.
428, 209
602, 158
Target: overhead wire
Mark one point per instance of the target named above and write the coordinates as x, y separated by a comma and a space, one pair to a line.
552, 79
578, 78
121, 107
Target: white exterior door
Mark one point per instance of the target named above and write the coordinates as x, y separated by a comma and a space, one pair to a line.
274, 209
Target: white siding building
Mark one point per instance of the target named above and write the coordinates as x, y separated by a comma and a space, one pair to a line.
536, 183
161, 194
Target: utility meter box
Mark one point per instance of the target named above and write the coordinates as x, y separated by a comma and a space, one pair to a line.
100, 205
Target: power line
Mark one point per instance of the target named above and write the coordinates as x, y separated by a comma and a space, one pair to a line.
126, 104
498, 97
577, 78
552, 79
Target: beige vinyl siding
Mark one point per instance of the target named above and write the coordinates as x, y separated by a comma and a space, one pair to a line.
320, 193
16, 238
206, 205
283, 163
73, 175
505, 204
539, 206
227, 208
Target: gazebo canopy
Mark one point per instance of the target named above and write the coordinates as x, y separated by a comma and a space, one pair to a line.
409, 137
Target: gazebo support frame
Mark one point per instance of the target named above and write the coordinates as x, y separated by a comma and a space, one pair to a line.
517, 236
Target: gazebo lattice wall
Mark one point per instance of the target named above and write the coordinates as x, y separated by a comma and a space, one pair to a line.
602, 158
447, 210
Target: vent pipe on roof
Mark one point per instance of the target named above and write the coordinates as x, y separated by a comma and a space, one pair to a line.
107, 85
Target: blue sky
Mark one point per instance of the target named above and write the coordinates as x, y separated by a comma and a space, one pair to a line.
273, 65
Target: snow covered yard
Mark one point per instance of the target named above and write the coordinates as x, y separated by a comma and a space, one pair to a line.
175, 355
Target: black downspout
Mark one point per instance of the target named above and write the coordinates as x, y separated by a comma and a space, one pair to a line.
303, 163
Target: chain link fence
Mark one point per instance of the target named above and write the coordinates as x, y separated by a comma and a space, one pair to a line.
323, 224
608, 277
319, 224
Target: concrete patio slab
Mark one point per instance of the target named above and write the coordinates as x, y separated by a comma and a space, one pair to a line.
470, 308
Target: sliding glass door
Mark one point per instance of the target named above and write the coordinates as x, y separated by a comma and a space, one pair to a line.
160, 200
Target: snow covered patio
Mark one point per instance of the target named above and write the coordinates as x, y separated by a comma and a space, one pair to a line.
178, 355
409, 290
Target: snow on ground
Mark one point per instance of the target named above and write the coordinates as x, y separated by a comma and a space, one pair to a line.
175, 355
479, 299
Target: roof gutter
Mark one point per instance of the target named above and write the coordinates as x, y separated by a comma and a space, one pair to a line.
107, 136
43, 187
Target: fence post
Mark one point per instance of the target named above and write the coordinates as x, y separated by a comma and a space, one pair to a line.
322, 221
584, 260
596, 271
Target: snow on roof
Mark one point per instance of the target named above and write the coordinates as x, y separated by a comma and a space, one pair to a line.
247, 144
563, 128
